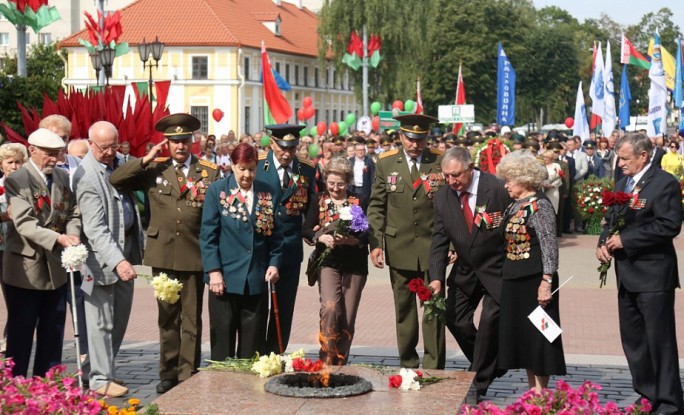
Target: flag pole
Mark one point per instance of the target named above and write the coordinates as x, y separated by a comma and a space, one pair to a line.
364, 69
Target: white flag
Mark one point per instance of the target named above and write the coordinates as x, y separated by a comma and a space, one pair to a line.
609, 113
545, 324
581, 127
597, 88
657, 93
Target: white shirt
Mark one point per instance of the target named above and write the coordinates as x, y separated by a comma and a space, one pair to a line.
358, 171
410, 163
185, 168
280, 169
639, 175
472, 191
249, 198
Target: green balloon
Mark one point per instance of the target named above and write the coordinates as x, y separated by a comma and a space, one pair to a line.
350, 119
343, 127
313, 131
409, 105
313, 150
304, 131
375, 108
265, 141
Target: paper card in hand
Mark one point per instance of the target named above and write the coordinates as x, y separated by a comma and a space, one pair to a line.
545, 324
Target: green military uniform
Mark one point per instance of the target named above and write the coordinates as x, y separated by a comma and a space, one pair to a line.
400, 214
176, 198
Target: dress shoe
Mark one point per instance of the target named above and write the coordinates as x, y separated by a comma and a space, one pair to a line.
166, 385
119, 381
112, 390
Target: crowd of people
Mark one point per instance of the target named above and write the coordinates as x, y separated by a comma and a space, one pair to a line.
234, 218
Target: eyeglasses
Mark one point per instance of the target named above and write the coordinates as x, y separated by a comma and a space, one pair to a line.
113, 147
333, 185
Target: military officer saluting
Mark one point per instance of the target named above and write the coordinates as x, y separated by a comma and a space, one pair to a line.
400, 215
176, 187
294, 180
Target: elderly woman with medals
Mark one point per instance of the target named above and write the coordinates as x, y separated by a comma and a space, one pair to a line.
340, 261
529, 272
241, 249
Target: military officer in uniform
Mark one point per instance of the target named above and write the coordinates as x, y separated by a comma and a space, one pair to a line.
294, 181
400, 215
176, 187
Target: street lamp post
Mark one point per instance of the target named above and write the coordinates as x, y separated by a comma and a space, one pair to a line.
103, 59
156, 49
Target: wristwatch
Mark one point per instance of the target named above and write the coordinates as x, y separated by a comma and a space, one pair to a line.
549, 279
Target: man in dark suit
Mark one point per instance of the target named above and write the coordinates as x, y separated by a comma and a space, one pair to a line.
293, 179
401, 215
646, 269
467, 215
364, 171
176, 187
594, 161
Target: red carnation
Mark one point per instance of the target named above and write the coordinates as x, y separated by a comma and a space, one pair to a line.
621, 198
419, 373
424, 293
2, 190
561, 173
395, 381
608, 198
415, 285
318, 365
591, 210
298, 364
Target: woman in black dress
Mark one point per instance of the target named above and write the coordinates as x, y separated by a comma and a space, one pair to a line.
529, 272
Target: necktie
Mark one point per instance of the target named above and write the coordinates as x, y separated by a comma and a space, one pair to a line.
467, 213
180, 174
286, 177
414, 169
630, 184
48, 178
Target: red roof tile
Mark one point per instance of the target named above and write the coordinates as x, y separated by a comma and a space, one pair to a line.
216, 23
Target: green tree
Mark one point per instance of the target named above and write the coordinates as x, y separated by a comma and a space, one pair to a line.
45, 70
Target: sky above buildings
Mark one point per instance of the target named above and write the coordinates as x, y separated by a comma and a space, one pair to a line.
626, 12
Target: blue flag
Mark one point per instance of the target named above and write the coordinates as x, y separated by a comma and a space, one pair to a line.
283, 85
505, 97
625, 99
678, 95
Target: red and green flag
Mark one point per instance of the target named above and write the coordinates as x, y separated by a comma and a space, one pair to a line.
276, 108
354, 52
631, 56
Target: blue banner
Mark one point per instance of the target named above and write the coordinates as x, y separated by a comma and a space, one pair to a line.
678, 95
625, 99
505, 97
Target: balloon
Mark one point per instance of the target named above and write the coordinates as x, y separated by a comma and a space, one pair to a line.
307, 102
309, 112
320, 128
334, 128
410, 105
217, 114
312, 131
304, 131
375, 123
300, 114
375, 108
350, 119
343, 127
398, 105
265, 141
569, 122
314, 150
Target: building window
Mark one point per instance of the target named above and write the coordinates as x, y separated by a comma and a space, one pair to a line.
45, 38
247, 69
287, 73
248, 119
277, 67
296, 82
306, 77
4, 39
341, 115
332, 83
200, 65
316, 114
327, 116
202, 114
316, 77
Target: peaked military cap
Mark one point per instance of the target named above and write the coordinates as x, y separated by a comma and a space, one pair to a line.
285, 135
178, 126
415, 126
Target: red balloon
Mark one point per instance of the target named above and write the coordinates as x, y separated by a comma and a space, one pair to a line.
375, 123
334, 128
217, 114
320, 128
309, 112
569, 122
398, 105
300, 114
307, 102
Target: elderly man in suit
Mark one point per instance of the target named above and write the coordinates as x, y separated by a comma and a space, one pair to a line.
646, 270
114, 239
400, 215
45, 220
293, 179
467, 215
364, 170
176, 188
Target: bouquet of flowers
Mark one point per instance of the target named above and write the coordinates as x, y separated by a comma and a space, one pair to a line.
409, 379
351, 221
588, 197
564, 400
434, 305
74, 256
269, 365
616, 221
166, 289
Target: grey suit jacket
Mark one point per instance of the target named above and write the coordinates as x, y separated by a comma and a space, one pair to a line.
32, 255
103, 221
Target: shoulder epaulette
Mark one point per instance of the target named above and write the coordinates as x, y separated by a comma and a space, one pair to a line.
388, 153
436, 151
160, 159
263, 155
306, 161
209, 164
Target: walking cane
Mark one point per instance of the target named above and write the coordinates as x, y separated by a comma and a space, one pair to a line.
276, 313
74, 319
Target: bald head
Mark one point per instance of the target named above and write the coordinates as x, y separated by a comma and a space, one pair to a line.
104, 141
78, 148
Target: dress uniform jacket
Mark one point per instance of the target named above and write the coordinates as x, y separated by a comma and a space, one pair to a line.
176, 211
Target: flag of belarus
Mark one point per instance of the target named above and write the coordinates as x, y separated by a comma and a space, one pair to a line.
631, 56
